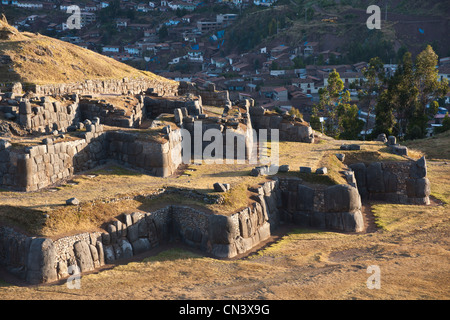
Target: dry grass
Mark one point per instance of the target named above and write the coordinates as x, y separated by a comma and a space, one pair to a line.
38, 59
436, 147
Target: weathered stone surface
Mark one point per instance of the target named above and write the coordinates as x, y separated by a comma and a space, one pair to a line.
305, 198
422, 188
305, 170
224, 250
83, 256
73, 201
340, 156
41, 264
141, 245
392, 140
110, 256
126, 249
375, 179
221, 187
221, 229
382, 138
399, 150
342, 198
350, 147
322, 170
133, 232
419, 169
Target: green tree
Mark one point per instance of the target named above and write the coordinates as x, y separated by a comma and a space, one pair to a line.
385, 120
428, 89
374, 79
341, 117
411, 95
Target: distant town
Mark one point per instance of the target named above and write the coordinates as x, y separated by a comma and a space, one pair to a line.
181, 40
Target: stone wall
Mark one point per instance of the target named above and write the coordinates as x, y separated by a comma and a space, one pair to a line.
39, 260
157, 105
403, 182
160, 87
29, 258
35, 167
335, 207
159, 158
289, 129
209, 95
44, 116
11, 165
111, 115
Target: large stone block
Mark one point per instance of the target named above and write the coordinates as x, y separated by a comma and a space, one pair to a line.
83, 256
342, 198
418, 169
222, 229
41, 263
305, 198
375, 178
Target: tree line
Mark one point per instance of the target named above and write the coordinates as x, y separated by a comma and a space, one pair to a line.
403, 102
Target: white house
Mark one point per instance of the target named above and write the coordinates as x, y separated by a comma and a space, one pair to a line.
195, 55
133, 50
28, 4
122, 23
266, 3
444, 73
114, 49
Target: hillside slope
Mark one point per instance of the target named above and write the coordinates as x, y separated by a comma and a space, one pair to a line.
37, 59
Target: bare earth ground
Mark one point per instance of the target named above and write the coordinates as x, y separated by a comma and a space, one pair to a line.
410, 245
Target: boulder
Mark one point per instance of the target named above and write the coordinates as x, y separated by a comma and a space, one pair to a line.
340, 156
400, 150
350, 147
322, 170
305, 170
392, 141
221, 187
422, 188
382, 138
73, 201
224, 250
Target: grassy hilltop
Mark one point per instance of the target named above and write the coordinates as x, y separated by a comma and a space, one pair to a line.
36, 59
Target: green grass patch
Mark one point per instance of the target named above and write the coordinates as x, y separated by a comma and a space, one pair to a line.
172, 255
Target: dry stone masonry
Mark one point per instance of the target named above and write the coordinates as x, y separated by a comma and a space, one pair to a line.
403, 182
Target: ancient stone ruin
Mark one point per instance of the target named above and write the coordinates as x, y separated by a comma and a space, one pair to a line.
77, 127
